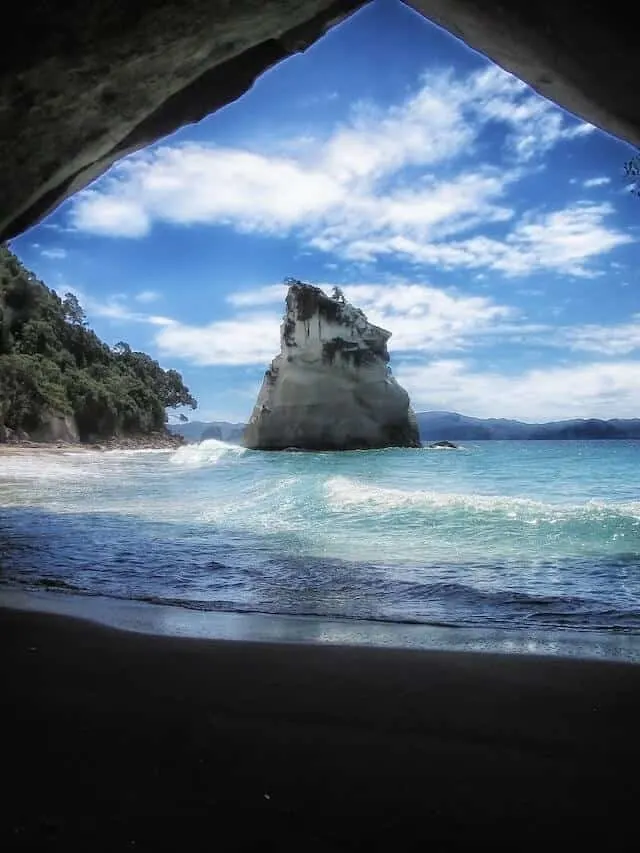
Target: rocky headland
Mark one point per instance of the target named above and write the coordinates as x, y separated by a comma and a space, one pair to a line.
330, 387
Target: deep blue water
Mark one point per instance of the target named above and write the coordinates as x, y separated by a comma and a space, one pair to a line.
498, 534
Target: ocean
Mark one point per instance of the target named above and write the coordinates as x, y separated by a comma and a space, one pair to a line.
502, 535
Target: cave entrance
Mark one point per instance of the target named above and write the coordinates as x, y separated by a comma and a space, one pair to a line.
487, 230
461, 210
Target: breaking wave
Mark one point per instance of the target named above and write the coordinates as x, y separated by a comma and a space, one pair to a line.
508, 534
346, 493
209, 452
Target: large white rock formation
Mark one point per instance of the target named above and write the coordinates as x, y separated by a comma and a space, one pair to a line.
330, 388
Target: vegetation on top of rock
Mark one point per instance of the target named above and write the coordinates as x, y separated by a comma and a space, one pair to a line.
52, 364
309, 299
632, 171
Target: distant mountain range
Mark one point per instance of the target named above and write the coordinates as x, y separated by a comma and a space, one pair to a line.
440, 426
195, 431
436, 426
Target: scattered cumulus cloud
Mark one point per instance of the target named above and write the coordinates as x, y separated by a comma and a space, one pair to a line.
411, 179
596, 182
147, 296
268, 295
561, 241
54, 253
250, 339
99, 213
423, 319
614, 339
429, 319
115, 308
585, 390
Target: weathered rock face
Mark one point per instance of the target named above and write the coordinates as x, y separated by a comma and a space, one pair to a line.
330, 388
54, 427
82, 84
584, 62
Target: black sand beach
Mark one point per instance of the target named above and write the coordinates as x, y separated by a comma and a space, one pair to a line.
120, 741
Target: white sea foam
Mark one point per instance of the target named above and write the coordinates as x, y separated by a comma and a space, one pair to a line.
136, 451
630, 508
206, 453
345, 493
259, 506
38, 467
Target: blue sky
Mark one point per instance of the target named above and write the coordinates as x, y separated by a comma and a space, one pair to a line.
491, 232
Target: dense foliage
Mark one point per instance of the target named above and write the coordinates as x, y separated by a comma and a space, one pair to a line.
632, 171
50, 362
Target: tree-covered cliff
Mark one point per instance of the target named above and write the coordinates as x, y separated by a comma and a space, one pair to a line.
53, 367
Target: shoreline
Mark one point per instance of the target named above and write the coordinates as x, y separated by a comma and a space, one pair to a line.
151, 442
171, 620
144, 742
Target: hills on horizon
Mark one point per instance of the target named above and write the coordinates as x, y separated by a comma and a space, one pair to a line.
452, 426
434, 425
194, 431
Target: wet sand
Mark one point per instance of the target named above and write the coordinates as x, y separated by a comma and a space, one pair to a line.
121, 741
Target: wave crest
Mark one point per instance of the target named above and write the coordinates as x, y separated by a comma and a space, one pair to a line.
344, 493
206, 453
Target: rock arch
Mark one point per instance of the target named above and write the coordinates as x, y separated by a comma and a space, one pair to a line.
83, 84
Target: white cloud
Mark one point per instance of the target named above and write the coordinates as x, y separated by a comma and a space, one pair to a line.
106, 213
115, 308
396, 180
371, 226
147, 296
598, 389
422, 319
428, 319
562, 240
537, 126
248, 339
615, 339
54, 253
596, 182
195, 184
268, 295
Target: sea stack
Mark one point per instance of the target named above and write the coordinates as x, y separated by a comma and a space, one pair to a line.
330, 387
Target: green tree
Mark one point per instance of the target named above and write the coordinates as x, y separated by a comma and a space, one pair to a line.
175, 393
73, 311
51, 362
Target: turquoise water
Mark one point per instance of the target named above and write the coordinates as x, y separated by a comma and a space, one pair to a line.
500, 534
